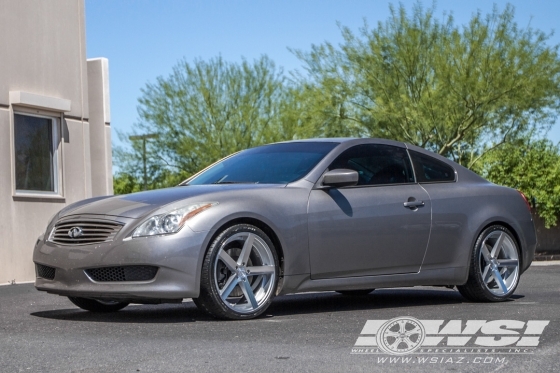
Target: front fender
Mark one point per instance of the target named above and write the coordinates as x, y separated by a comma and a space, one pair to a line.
283, 210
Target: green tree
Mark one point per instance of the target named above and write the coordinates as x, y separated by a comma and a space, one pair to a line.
532, 167
459, 91
124, 183
206, 110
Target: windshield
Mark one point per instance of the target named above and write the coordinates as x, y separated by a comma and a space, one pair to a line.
269, 164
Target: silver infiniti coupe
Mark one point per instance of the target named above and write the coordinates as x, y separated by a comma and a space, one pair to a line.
349, 215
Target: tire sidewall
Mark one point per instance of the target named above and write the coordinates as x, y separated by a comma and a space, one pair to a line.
476, 262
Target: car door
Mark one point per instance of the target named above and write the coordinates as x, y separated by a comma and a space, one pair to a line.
380, 226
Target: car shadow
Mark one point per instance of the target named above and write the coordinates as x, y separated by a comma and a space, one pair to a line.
376, 300
285, 305
153, 314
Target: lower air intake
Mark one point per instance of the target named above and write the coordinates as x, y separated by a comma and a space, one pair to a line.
45, 272
122, 274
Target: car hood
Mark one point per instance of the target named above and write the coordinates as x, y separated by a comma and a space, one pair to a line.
137, 205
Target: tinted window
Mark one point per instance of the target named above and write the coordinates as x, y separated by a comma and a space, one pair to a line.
34, 153
429, 169
376, 164
270, 164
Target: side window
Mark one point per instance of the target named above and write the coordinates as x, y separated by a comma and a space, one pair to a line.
376, 164
429, 169
36, 161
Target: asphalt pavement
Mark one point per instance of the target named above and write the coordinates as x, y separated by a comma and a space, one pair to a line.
311, 332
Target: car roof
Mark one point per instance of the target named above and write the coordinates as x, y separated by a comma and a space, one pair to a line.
322, 139
352, 140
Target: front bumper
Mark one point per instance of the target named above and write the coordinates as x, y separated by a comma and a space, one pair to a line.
178, 258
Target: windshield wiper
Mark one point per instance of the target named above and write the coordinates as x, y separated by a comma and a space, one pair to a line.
235, 182
223, 181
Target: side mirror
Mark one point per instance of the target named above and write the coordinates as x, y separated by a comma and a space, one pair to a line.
340, 177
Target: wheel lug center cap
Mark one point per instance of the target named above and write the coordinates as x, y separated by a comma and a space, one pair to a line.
241, 273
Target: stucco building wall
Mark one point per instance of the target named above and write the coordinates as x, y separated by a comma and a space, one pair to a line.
44, 71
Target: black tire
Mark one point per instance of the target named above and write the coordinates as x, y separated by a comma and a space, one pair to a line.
210, 300
355, 293
475, 289
93, 305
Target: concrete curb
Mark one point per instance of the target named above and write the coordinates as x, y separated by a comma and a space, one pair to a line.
545, 257
17, 283
545, 263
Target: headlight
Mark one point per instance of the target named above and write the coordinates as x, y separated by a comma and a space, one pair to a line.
170, 222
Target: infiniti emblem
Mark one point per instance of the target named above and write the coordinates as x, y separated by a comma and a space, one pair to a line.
75, 232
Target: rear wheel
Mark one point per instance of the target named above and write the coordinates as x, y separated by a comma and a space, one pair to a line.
494, 268
94, 305
355, 293
239, 274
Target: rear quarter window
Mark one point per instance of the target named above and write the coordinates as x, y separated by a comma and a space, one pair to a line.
431, 170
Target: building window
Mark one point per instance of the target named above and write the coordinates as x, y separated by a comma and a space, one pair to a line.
36, 159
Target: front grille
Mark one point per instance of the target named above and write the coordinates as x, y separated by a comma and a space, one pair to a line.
84, 232
45, 272
121, 274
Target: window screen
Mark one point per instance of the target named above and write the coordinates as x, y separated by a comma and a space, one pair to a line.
35, 160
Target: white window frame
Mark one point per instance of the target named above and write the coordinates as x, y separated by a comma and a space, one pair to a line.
56, 119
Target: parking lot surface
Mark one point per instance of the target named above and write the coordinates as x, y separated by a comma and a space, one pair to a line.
312, 332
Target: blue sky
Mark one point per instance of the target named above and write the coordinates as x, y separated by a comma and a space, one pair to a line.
144, 39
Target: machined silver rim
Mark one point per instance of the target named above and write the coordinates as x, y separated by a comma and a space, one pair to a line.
244, 272
499, 263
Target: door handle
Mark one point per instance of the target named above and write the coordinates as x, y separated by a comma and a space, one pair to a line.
413, 204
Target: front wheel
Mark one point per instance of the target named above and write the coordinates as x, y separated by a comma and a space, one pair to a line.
494, 267
239, 274
93, 305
